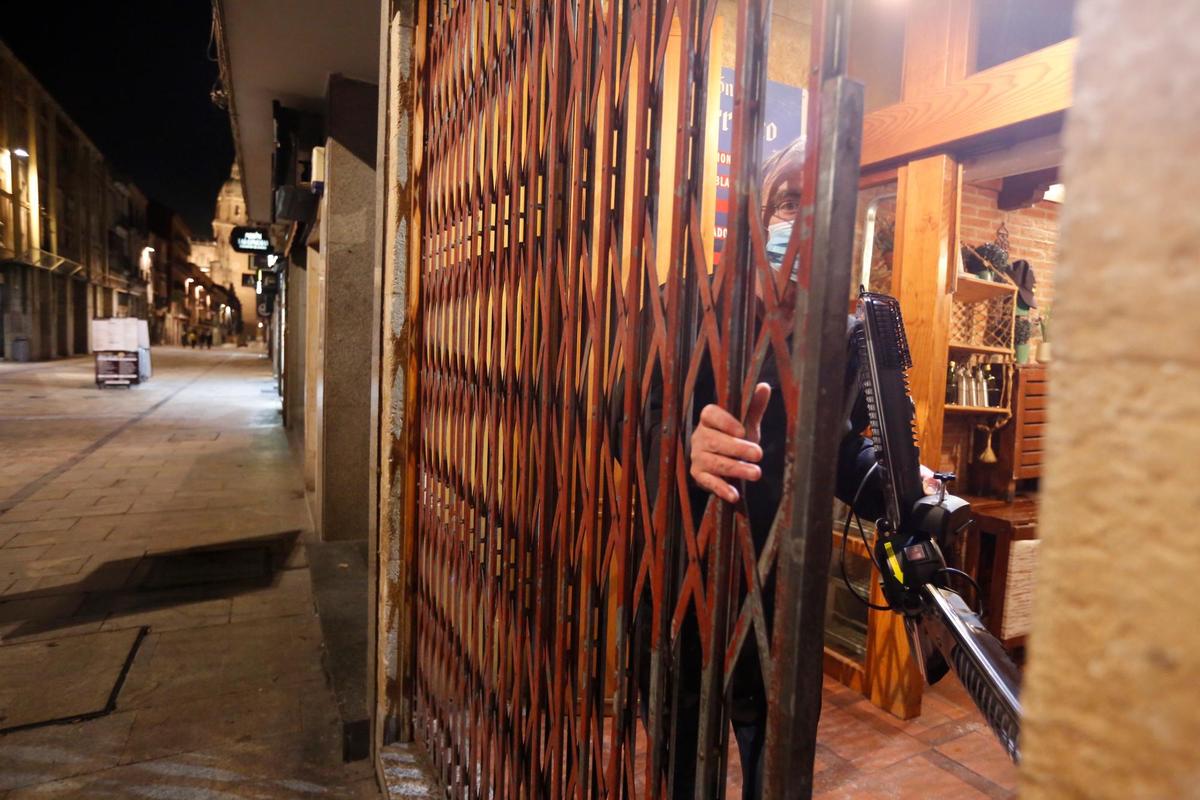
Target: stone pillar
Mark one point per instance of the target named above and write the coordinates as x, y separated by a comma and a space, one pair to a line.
90, 301
43, 311
348, 251
295, 334
68, 326
1112, 699
314, 324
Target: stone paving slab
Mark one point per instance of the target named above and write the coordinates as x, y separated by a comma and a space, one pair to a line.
226, 775
54, 752
405, 773
61, 679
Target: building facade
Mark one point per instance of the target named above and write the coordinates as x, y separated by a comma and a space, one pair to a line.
73, 236
223, 265
186, 297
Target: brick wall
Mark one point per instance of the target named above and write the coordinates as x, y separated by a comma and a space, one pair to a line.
1032, 233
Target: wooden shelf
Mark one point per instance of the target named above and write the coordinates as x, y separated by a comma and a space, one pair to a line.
970, 289
956, 409
979, 348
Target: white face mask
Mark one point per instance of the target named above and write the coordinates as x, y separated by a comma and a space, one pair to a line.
778, 236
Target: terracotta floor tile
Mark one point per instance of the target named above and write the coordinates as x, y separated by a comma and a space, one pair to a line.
911, 779
981, 753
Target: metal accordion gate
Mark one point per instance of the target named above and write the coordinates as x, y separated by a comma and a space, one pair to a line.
572, 297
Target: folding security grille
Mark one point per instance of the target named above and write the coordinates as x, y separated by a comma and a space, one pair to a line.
582, 617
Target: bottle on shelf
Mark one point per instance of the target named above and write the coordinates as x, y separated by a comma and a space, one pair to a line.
981, 392
961, 385
993, 387
951, 384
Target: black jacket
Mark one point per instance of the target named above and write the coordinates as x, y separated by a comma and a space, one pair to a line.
856, 456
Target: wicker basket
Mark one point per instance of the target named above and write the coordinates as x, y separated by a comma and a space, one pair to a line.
1018, 590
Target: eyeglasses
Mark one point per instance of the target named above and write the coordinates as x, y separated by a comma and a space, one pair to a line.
785, 210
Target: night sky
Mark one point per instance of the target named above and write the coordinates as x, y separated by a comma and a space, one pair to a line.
135, 75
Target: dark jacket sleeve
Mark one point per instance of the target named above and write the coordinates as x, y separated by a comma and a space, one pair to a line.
650, 421
855, 457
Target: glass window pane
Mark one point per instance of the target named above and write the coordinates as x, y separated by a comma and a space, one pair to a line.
874, 239
1007, 29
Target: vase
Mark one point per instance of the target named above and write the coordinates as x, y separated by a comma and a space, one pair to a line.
1043, 353
1023, 353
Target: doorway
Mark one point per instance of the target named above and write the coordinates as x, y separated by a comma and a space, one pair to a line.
61, 315
79, 310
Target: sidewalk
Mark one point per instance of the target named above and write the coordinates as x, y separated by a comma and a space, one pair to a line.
210, 659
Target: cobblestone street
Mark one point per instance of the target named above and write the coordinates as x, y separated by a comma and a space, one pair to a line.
156, 602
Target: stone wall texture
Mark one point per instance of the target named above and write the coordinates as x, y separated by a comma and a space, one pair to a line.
1112, 696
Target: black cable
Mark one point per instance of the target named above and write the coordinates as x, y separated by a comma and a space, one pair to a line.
852, 514
970, 580
866, 601
862, 534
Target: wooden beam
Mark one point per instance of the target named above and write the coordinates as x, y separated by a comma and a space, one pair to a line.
927, 211
1026, 88
876, 178
1027, 156
1025, 189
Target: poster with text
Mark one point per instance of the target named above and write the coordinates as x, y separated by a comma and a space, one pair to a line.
785, 114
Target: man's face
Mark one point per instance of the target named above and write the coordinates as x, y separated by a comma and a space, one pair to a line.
780, 212
784, 203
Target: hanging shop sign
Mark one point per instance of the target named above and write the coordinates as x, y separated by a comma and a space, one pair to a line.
250, 240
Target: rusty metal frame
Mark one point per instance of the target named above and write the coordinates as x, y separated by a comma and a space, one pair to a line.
546, 520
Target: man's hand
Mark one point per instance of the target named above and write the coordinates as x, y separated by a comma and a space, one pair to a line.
930, 484
722, 449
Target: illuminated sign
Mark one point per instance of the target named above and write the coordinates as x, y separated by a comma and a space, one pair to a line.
250, 240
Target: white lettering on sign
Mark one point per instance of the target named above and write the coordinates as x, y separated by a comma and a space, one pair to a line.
253, 240
250, 240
